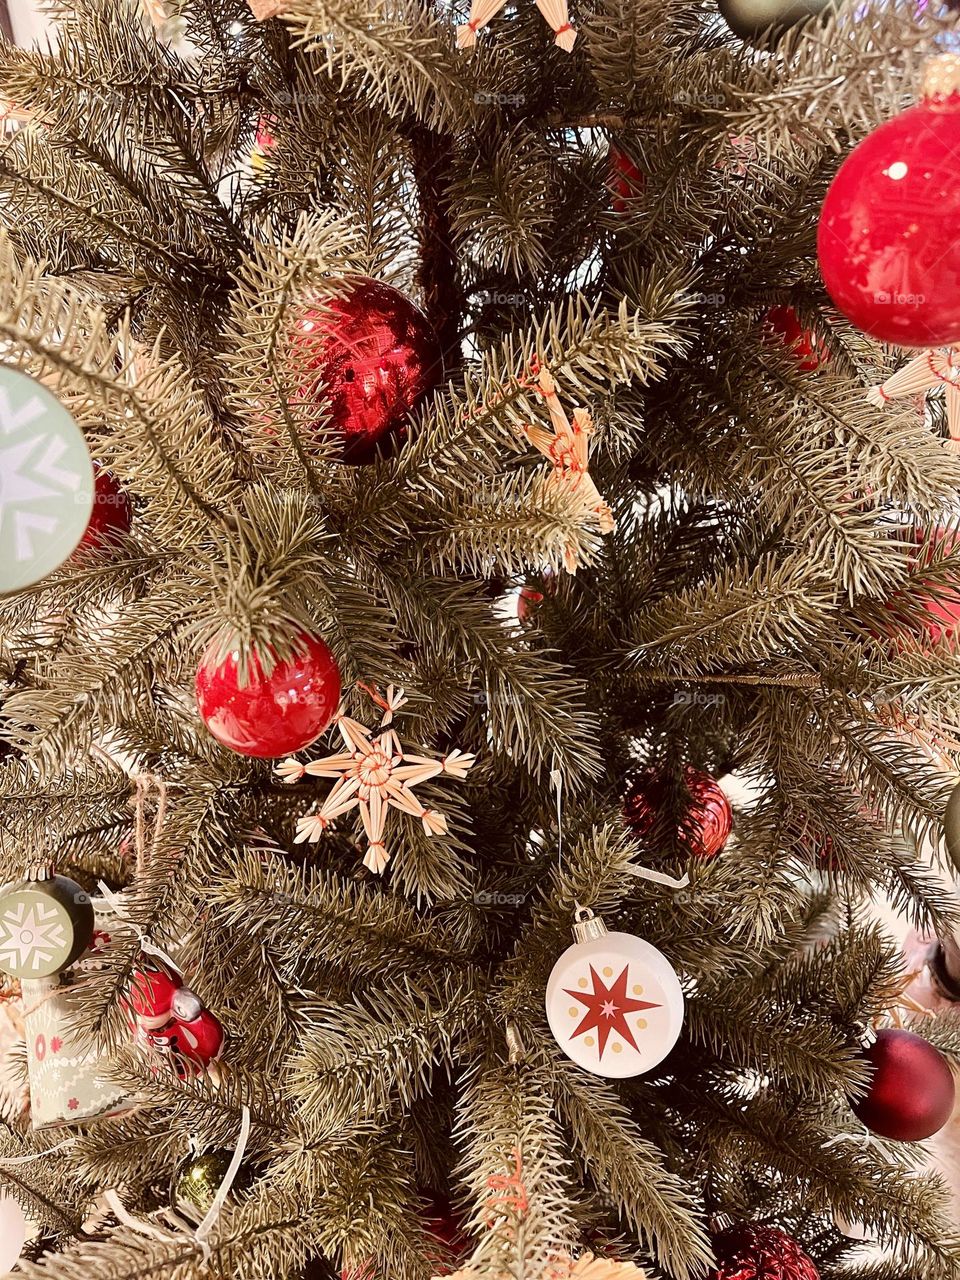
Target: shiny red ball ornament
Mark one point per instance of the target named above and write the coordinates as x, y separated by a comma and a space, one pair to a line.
374, 357
751, 1252
706, 825
112, 513
889, 235
806, 345
271, 715
625, 181
911, 1092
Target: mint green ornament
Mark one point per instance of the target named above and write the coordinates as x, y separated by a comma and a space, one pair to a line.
46, 482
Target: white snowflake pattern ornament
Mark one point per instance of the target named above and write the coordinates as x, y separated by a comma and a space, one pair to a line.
930, 369
614, 1002
374, 774
46, 482
567, 445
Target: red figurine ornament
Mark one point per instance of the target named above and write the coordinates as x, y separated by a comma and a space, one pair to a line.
911, 1092
167, 1017
373, 357
706, 825
889, 234
749, 1251
275, 714
112, 513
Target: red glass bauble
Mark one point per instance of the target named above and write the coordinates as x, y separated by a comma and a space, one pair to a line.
374, 357
911, 1092
112, 513
889, 235
749, 1252
942, 605
625, 181
528, 602
271, 715
707, 823
806, 345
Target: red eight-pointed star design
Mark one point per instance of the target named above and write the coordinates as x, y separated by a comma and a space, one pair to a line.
607, 1008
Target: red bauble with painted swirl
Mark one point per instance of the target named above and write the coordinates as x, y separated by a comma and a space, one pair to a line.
889, 233
706, 825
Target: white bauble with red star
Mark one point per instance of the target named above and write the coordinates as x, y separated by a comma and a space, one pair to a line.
614, 1002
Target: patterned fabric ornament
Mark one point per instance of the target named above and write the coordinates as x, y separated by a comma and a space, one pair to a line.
45, 925
568, 448
374, 774
614, 1002
555, 12
925, 372
46, 482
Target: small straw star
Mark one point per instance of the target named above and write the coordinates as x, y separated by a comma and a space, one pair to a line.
567, 446
937, 368
374, 774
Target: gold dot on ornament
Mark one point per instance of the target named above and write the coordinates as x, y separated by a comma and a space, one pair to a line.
588, 1041
637, 989
573, 1012
617, 1048
582, 982
607, 971
641, 1024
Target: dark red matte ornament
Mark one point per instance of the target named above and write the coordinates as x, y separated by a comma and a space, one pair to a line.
707, 823
911, 1093
751, 1252
373, 356
889, 233
271, 715
112, 513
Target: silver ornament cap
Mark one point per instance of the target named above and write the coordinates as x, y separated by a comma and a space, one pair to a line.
587, 926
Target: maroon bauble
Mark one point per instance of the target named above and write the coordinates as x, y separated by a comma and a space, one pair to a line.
750, 1252
625, 181
806, 345
112, 513
889, 235
708, 820
911, 1092
271, 715
373, 357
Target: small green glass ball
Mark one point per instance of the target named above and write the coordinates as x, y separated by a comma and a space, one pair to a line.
199, 1180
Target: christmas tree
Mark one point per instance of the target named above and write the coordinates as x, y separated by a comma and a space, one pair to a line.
431, 463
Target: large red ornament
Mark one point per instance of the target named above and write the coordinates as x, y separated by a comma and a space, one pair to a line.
271, 715
112, 513
942, 605
806, 345
889, 236
911, 1092
750, 1252
706, 825
374, 357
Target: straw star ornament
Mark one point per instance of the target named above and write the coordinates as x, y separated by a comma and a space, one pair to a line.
554, 11
586, 1267
938, 368
567, 445
374, 774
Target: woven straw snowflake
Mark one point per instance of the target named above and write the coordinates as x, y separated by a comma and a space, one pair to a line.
567, 445
939, 368
374, 774
555, 12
